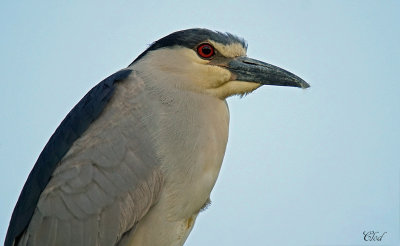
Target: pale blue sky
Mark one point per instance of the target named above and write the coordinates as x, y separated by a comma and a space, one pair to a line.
313, 167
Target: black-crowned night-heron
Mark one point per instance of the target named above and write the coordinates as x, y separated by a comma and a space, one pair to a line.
135, 160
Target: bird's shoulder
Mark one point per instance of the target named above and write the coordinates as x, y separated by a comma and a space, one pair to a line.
89, 164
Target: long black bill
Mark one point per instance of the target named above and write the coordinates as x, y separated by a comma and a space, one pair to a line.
251, 70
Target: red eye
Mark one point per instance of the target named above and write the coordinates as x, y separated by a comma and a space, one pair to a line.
205, 50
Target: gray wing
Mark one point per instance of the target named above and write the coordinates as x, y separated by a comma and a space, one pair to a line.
105, 181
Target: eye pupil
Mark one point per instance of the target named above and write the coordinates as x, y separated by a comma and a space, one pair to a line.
205, 50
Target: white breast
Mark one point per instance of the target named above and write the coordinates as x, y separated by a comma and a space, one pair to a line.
191, 137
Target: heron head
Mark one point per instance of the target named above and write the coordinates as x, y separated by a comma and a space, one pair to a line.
210, 62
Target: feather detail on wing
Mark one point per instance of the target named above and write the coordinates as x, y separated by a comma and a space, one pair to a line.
97, 176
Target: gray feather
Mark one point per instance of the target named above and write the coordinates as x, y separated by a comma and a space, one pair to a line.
103, 186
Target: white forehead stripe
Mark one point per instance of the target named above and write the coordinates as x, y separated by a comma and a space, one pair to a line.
229, 50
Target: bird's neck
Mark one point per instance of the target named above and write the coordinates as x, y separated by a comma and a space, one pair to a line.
190, 139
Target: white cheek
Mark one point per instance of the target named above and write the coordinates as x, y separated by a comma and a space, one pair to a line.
217, 75
184, 69
234, 88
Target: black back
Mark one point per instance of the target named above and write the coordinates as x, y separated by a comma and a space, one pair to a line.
71, 128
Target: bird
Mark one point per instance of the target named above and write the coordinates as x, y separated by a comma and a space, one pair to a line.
134, 162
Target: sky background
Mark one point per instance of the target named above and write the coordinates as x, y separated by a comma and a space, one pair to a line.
302, 167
